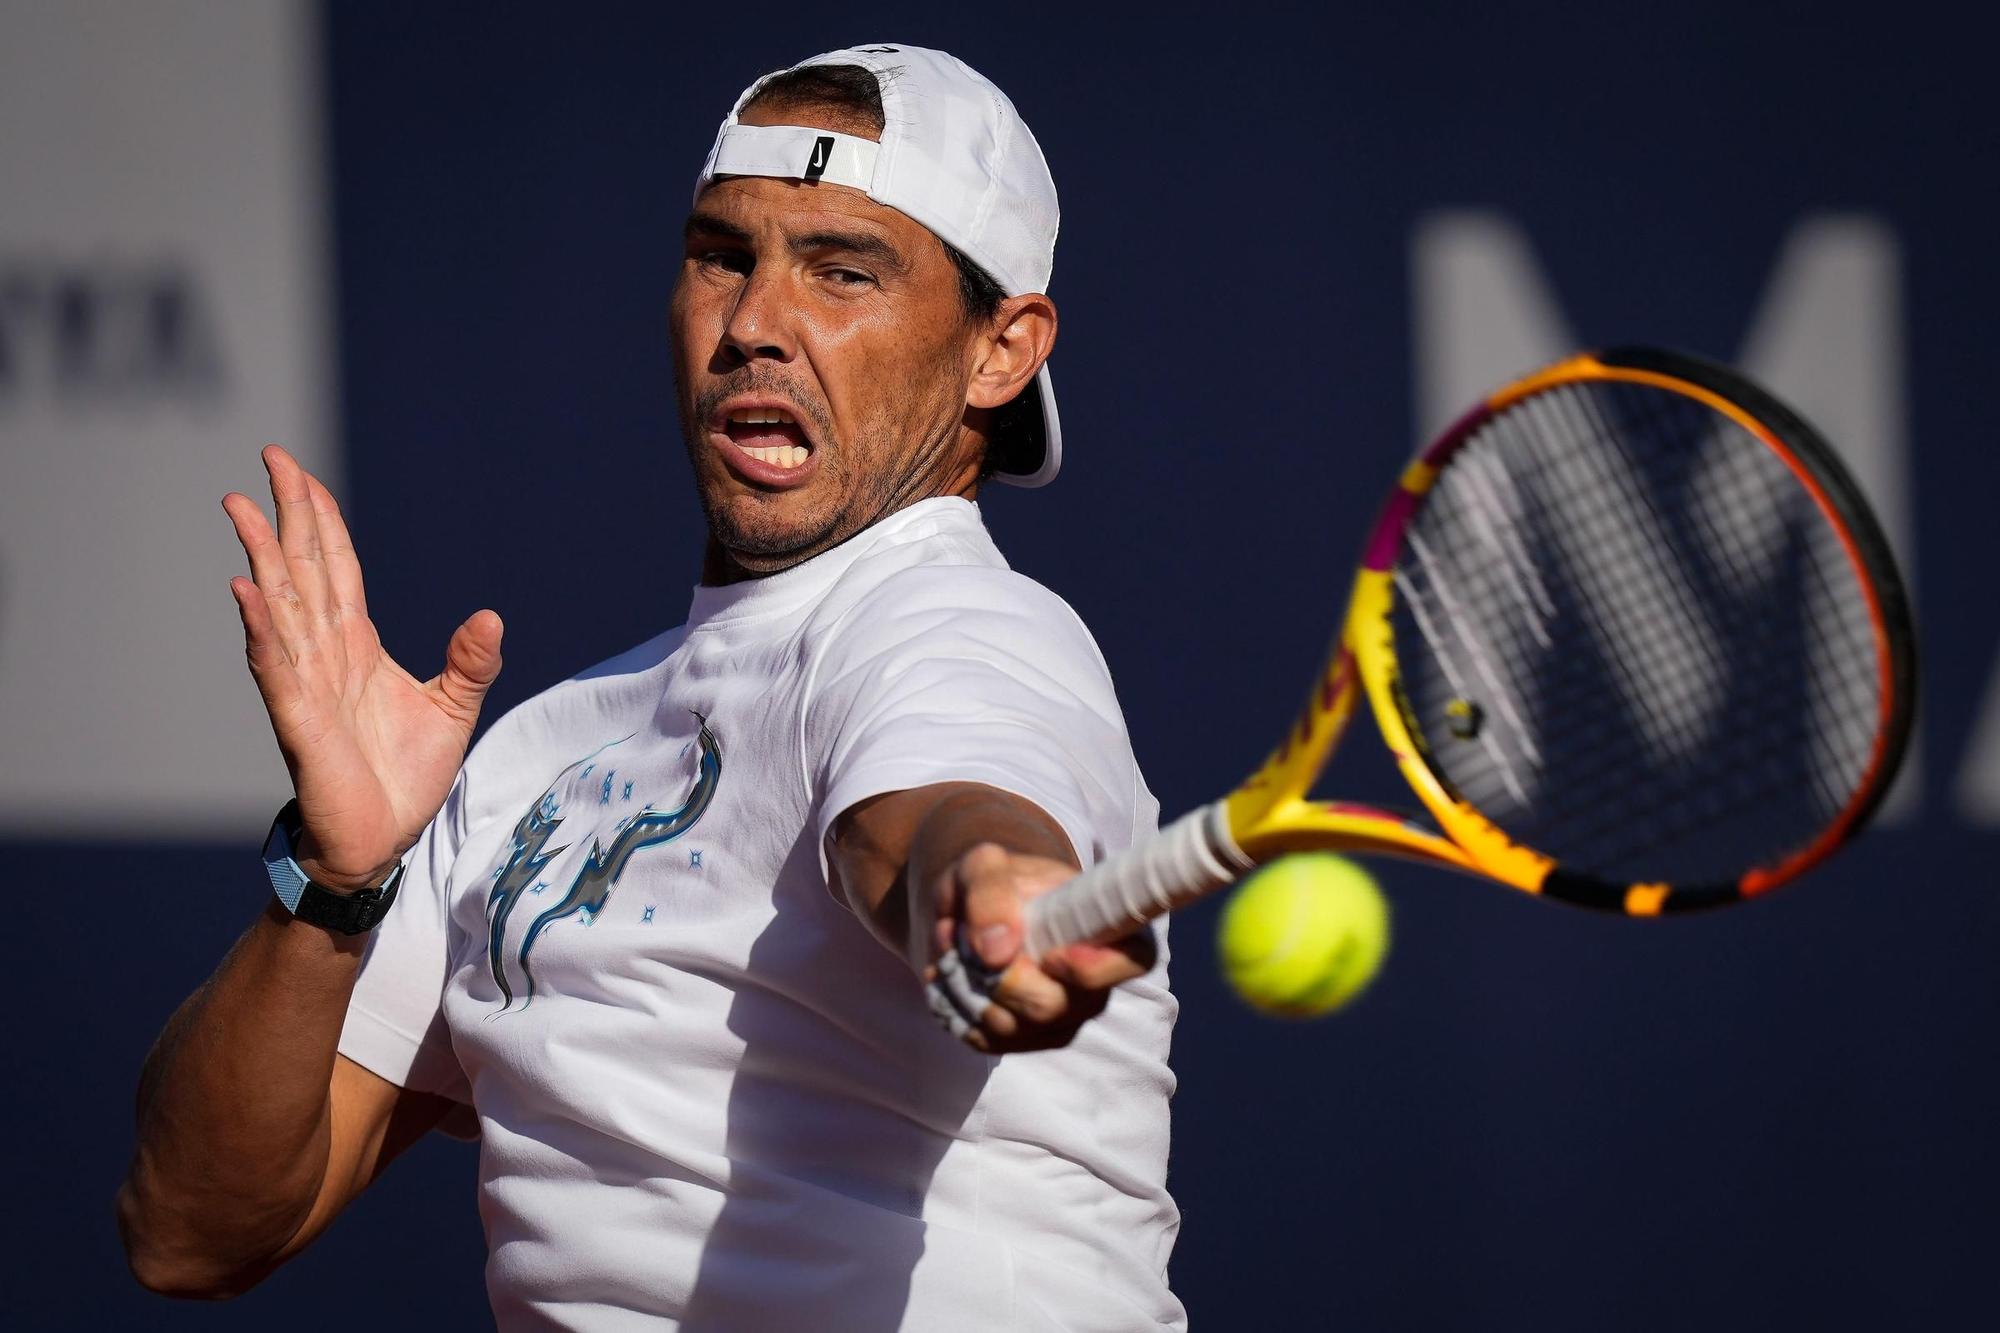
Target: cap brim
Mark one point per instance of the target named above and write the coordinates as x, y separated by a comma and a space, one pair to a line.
1034, 445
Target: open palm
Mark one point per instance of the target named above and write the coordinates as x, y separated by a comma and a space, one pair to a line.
372, 749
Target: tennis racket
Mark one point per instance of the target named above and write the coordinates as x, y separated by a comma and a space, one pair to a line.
1633, 638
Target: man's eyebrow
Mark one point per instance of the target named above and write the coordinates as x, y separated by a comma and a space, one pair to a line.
861, 244
708, 224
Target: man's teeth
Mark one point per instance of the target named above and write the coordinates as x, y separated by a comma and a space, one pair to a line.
777, 455
783, 455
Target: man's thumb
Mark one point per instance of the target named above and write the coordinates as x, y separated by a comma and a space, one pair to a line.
472, 660
992, 906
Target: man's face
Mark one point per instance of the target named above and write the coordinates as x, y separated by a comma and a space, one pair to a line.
821, 358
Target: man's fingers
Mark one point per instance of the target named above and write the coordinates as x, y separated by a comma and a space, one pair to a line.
1030, 1008
298, 530
1031, 1011
1027, 992
1102, 966
1023, 995
471, 663
260, 639
992, 913
267, 559
996, 999
277, 680
343, 566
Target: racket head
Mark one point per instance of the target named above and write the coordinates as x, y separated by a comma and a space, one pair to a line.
1634, 638
1683, 586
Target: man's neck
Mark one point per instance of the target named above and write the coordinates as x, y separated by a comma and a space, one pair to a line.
720, 567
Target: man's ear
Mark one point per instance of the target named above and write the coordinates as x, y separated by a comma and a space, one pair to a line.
1020, 337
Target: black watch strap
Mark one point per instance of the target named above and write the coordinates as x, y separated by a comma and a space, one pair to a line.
312, 902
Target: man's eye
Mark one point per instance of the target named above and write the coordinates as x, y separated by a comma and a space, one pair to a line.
849, 277
728, 261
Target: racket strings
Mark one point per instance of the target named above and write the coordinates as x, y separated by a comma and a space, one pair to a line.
1672, 617
1629, 636
1465, 638
1780, 741
1635, 637
1723, 757
1698, 808
1606, 712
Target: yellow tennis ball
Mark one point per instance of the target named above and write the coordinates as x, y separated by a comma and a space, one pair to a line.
1303, 935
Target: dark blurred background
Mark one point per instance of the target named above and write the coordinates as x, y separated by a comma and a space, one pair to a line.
432, 246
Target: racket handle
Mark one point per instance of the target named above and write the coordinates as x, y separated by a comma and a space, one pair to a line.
1190, 858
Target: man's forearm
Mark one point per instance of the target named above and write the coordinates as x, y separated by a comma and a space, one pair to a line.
234, 1115
886, 844
961, 821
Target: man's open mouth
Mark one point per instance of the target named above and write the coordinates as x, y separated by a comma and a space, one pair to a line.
769, 435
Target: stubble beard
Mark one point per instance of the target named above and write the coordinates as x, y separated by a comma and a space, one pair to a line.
757, 535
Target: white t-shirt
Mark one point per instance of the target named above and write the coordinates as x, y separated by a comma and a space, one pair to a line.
705, 1092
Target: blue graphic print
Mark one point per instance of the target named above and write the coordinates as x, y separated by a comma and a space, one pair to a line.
594, 880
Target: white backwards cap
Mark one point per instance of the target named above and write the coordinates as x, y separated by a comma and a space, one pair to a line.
953, 156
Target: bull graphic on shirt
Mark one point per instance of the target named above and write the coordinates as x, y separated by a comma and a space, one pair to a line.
520, 876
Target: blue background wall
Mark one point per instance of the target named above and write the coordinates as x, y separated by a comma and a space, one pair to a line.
1777, 1117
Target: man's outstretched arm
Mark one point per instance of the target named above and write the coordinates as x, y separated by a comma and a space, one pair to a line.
922, 866
252, 1131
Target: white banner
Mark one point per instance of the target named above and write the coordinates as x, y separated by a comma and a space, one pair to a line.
163, 312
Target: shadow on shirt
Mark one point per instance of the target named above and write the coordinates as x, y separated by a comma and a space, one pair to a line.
845, 1100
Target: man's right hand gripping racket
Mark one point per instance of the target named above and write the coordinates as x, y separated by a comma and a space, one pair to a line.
1635, 642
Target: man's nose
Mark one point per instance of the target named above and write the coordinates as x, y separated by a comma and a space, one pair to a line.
760, 325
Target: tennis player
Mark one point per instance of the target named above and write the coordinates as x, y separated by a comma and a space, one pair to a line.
659, 940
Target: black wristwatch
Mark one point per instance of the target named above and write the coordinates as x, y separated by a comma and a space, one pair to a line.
314, 903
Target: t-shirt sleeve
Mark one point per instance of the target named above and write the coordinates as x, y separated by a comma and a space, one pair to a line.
954, 674
395, 1024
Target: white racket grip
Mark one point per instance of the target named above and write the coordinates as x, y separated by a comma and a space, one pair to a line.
1189, 858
